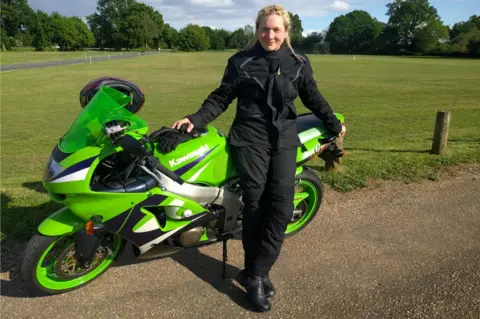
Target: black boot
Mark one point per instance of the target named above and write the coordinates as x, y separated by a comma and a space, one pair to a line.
256, 294
267, 284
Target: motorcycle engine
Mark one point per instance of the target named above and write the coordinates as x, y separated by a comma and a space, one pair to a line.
191, 236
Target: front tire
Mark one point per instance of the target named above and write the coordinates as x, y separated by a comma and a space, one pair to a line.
49, 265
308, 199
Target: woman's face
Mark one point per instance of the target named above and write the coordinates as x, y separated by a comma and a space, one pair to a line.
271, 32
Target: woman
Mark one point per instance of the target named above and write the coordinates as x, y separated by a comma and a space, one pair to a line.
266, 78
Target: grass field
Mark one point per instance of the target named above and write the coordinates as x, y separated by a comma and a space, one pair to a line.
14, 57
389, 104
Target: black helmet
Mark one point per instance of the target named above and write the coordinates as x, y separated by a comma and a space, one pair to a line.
124, 86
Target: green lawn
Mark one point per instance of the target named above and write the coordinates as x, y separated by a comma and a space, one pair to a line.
14, 57
389, 104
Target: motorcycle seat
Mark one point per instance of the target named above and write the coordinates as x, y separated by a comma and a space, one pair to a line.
308, 121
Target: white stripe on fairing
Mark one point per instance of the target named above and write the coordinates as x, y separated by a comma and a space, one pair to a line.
150, 244
77, 176
194, 177
308, 135
152, 224
177, 202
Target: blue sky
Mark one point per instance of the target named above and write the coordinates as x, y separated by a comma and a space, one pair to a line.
316, 15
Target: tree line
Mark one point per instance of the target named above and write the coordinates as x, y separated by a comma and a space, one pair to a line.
413, 27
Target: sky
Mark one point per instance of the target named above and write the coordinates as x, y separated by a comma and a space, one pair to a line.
316, 15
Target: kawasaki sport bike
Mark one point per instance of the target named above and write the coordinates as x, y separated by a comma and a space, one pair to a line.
119, 190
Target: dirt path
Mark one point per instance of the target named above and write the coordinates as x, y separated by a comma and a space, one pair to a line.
409, 251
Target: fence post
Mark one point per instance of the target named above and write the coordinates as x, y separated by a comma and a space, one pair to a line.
90, 59
440, 136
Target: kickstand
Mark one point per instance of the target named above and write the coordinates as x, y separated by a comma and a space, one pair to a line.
225, 258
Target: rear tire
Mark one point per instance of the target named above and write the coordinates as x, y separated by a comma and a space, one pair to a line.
47, 274
307, 182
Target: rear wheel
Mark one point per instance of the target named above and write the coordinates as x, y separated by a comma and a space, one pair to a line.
307, 201
49, 265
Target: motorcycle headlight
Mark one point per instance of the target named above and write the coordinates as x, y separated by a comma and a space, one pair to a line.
52, 170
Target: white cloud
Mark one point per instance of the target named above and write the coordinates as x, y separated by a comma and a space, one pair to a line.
213, 3
226, 14
339, 5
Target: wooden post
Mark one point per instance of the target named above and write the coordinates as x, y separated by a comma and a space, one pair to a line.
440, 137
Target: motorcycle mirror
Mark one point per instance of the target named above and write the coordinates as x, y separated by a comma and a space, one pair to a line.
133, 146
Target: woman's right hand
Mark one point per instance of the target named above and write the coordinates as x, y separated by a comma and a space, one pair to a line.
180, 123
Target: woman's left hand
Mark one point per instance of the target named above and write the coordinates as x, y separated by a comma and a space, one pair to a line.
344, 130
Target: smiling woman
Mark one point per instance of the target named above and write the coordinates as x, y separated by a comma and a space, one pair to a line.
265, 78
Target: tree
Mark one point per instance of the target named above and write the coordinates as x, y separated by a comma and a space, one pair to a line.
169, 36
106, 24
7, 42
193, 38
427, 38
388, 40
296, 30
249, 31
410, 17
83, 36
40, 39
17, 19
464, 27
354, 32
309, 41
142, 27
473, 45
126, 24
220, 40
238, 39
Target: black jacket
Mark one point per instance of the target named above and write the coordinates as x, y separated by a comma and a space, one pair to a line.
266, 84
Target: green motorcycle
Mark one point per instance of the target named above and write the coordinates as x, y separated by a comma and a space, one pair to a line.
122, 189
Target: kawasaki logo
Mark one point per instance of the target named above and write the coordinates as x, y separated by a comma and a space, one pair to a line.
202, 150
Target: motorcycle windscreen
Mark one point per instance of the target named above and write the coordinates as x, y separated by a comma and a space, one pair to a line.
87, 129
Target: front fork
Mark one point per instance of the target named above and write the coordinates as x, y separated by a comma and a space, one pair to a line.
88, 240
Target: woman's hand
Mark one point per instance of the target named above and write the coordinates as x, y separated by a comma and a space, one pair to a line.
180, 123
344, 130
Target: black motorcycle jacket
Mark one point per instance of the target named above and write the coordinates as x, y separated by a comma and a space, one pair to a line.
266, 85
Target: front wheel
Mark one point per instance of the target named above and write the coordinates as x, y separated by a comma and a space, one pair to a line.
307, 201
49, 265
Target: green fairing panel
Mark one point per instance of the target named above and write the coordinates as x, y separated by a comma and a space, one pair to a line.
61, 222
310, 139
202, 160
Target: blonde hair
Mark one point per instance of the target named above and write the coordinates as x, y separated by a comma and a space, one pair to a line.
267, 11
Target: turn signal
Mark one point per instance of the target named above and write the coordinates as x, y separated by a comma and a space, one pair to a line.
89, 229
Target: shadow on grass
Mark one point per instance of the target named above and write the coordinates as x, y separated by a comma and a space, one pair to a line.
19, 224
36, 186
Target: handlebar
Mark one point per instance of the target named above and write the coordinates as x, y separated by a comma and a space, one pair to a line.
137, 148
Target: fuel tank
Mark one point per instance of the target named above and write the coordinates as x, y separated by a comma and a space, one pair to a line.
202, 160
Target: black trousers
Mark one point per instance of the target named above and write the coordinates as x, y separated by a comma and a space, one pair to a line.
268, 180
